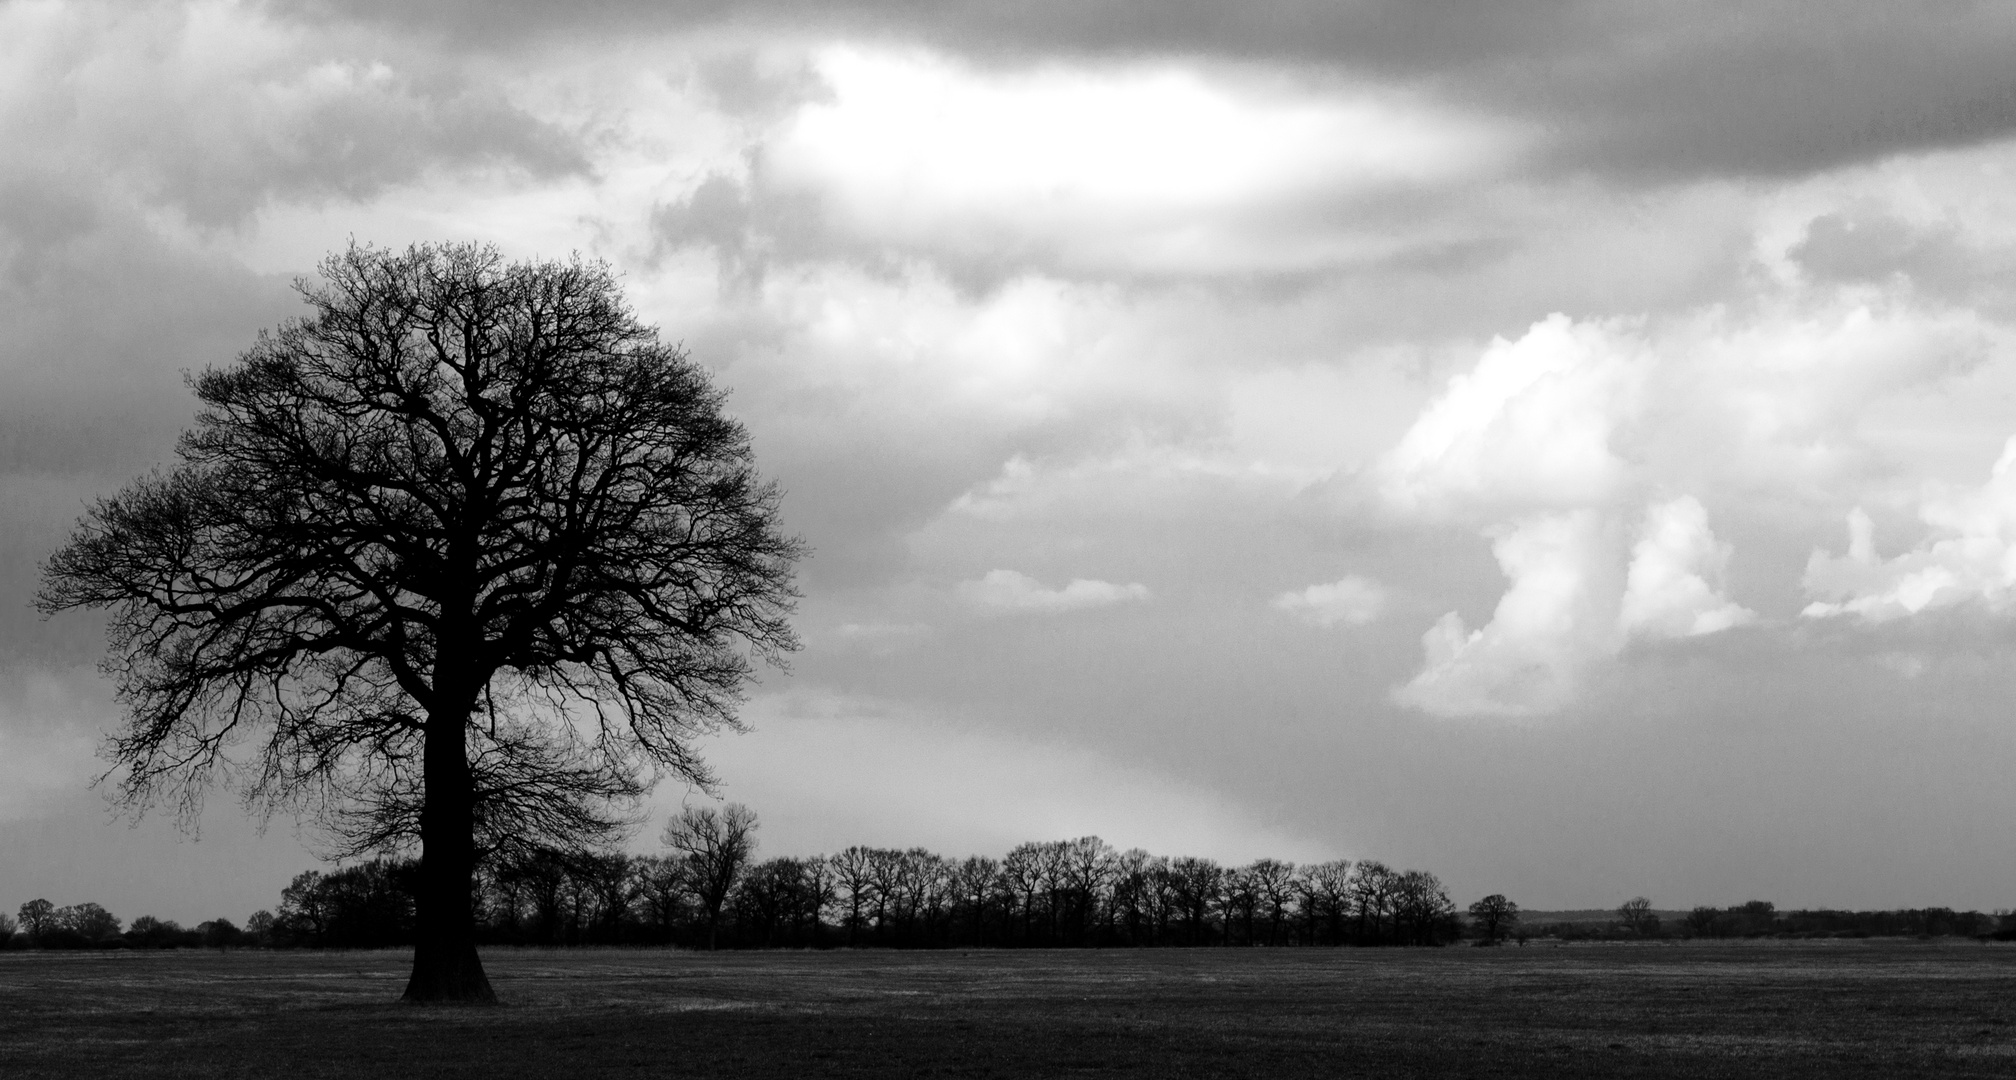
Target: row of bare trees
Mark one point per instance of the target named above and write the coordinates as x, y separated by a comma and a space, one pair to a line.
708, 891
1071, 893
1083, 892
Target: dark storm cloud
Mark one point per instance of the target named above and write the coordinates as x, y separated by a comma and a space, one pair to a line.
1639, 89
102, 319
92, 367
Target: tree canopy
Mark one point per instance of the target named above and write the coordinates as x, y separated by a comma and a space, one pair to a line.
467, 556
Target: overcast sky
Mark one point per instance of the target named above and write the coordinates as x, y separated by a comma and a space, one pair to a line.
1565, 447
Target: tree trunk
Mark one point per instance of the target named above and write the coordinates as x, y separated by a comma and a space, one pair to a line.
445, 965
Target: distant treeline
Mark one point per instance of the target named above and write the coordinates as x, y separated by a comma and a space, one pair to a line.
1069, 893
1762, 919
709, 892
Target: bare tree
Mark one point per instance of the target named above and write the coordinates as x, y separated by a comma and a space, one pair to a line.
611, 882
1375, 892
886, 875
1130, 904
38, 918
1051, 857
662, 888
1022, 877
974, 881
1423, 913
931, 893
1274, 883
821, 888
468, 555
1637, 917
539, 880
1326, 899
767, 900
87, 921
716, 846
1494, 916
1089, 865
1158, 895
304, 907
854, 877
1241, 899
1196, 885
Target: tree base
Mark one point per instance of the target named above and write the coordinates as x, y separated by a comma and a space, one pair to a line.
448, 974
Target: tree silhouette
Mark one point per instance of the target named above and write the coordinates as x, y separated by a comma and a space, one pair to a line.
38, 918
1494, 916
467, 556
1636, 915
716, 847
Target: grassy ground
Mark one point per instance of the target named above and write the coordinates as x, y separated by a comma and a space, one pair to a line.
1846, 1009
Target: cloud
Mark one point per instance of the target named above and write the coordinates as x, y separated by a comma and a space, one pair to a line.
1847, 246
1639, 92
1590, 412
1003, 591
1573, 602
1958, 254
880, 639
1351, 600
1969, 558
213, 110
1553, 440
1157, 169
1530, 425
1674, 586
1557, 616
47, 735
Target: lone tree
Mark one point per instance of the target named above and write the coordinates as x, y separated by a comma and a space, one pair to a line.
1494, 917
467, 556
1637, 917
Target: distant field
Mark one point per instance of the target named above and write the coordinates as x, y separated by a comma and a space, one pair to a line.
1765, 1009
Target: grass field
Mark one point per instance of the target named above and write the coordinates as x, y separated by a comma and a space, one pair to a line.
1834, 1009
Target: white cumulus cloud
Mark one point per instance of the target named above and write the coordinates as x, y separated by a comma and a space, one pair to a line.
1530, 425
1553, 439
1351, 599
1591, 413
1003, 591
1558, 614
1970, 556
1575, 598
1674, 586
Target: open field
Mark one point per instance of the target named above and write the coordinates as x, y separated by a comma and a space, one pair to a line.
1874, 1009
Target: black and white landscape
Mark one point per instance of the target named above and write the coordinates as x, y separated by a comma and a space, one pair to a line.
1171, 476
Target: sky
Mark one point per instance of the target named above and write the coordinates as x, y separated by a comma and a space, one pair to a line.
1565, 447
